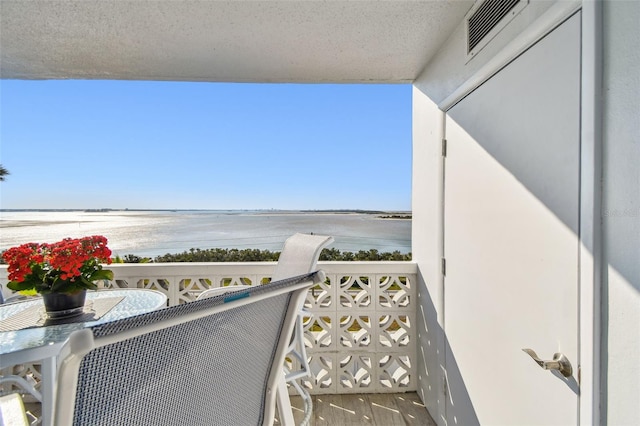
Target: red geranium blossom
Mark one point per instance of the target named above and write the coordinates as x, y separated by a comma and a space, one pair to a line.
66, 266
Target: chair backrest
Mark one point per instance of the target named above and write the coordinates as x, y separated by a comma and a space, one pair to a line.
299, 256
212, 361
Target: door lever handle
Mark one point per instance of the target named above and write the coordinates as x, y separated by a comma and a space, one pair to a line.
559, 362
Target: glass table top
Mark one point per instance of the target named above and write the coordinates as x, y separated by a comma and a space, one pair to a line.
135, 302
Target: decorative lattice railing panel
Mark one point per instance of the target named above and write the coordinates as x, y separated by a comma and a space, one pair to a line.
361, 332
360, 324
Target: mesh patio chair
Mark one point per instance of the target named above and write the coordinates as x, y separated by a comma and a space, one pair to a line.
299, 255
215, 361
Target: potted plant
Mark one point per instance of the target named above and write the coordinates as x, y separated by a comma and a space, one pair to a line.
61, 272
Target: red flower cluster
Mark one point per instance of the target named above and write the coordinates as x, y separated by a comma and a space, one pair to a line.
46, 266
20, 259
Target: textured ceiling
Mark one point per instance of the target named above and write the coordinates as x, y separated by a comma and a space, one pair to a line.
243, 41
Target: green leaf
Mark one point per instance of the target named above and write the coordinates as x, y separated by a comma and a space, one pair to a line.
102, 274
90, 285
19, 286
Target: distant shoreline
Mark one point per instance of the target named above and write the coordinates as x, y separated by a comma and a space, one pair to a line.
391, 214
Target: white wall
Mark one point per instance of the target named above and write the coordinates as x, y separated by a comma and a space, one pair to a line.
449, 68
620, 374
443, 75
427, 246
621, 213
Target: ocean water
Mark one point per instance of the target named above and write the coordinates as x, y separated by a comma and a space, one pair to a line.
153, 233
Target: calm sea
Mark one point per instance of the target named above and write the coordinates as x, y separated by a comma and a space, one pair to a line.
153, 233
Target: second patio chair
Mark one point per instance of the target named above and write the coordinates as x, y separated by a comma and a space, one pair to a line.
299, 255
216, 361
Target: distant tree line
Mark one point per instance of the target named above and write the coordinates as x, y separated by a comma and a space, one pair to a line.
256, 255
372, 255
397, 216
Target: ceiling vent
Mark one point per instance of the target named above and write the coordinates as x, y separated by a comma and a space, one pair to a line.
486, 19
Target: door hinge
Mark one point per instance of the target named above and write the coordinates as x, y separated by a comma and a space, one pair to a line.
444, 147
444, 266
445, 387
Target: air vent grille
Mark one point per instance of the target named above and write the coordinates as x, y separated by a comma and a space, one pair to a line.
485, 18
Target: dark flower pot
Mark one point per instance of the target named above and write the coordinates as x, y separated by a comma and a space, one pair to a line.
64, 302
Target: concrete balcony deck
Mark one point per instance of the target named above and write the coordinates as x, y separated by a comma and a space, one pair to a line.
366, 409
356, 409
349, 409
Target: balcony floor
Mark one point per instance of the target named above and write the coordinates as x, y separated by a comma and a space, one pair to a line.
365, 409
397, 409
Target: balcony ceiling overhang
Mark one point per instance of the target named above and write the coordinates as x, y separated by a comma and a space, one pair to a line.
232, 41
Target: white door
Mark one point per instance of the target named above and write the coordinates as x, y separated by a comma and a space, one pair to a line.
511, 239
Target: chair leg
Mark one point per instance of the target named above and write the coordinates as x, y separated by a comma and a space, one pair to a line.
284, 404
297, 352
306, 399
48, 389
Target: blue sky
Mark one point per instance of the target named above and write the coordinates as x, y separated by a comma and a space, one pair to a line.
171, 145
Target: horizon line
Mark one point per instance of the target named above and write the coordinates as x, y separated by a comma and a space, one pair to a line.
105, 210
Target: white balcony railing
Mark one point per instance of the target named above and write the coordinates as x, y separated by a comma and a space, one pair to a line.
360, 333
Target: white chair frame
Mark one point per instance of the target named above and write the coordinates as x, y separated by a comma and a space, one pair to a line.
299, 256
